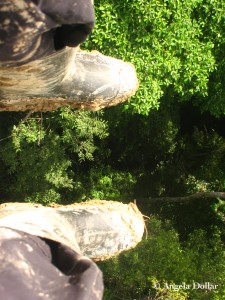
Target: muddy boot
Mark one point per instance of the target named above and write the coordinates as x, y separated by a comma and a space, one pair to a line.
97, 229
81, 79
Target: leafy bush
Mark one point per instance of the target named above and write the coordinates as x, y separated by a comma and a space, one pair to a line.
106, 183
160, 263
41, 152
175, 46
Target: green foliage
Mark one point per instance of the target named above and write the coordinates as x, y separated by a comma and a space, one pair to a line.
204, 151
37, 162
46, 197
174, 45
211, 17
140, 142
79, 129
219, 209
165, 159
41, 152
106, 183
103, 182
160, 263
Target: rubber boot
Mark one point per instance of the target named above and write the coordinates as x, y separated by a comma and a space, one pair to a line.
97, 229
88, 80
